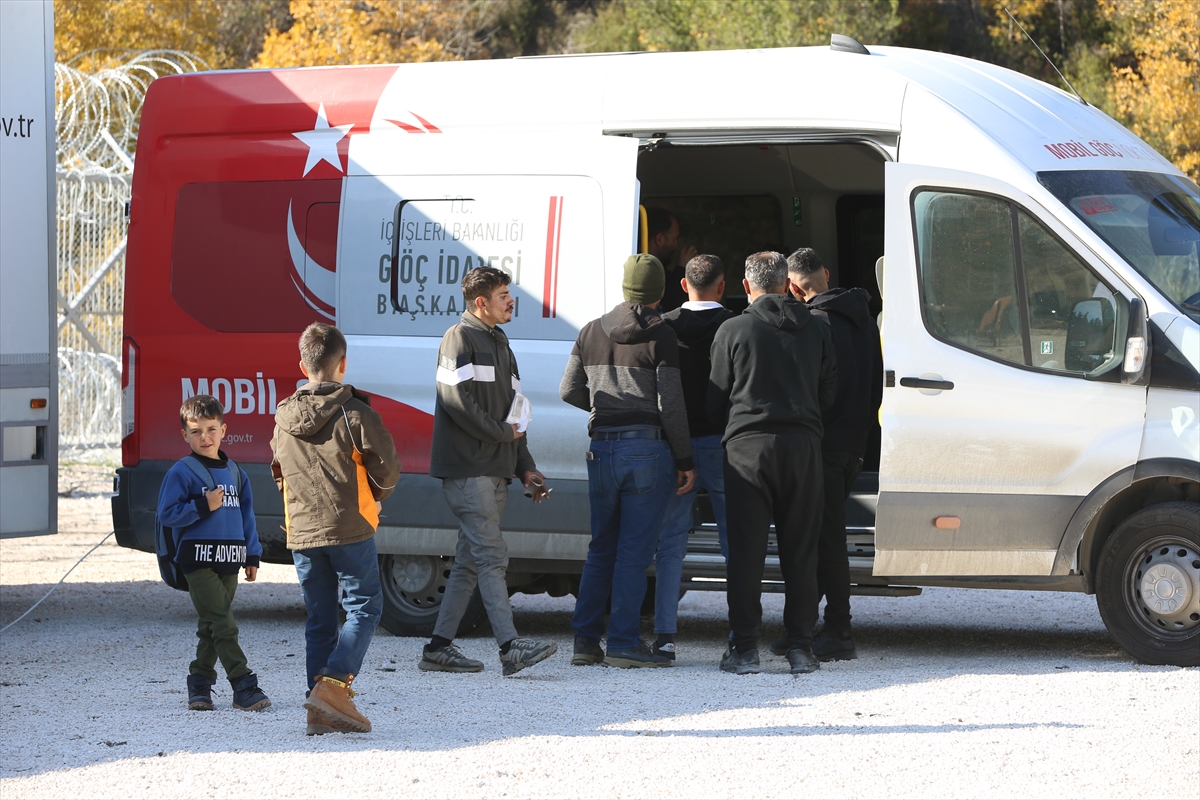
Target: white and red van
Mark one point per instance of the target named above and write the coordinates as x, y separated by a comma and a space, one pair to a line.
1040, 300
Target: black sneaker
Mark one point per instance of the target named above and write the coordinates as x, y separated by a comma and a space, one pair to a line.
524, 653
246, 694
447, 658
740, 663
834, 646
802, 660
641, 656
586, 653
666, 650
781, 646
199, 693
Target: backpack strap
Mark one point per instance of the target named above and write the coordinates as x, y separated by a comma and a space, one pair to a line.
236, 472
201, 472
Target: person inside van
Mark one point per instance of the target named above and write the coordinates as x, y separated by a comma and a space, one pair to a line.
663, 243
843, 444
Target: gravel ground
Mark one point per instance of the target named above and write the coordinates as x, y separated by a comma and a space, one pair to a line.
955, 694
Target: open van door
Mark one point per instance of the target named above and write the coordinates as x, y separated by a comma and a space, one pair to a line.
419, 211
1004, 339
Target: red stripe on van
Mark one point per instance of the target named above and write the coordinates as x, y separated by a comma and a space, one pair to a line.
557, 254
548, 281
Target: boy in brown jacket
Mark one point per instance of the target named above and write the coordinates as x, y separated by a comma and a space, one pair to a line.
334, 462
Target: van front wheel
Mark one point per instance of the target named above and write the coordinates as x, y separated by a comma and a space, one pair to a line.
413, 587
1148, 584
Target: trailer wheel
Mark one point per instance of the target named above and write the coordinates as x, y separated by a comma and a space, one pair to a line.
412, 595
1148, 584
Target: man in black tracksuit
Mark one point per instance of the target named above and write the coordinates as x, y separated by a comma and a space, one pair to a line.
773, 371
846, 422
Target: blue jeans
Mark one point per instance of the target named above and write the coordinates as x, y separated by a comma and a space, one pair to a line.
709, 455
321, 570
629, 484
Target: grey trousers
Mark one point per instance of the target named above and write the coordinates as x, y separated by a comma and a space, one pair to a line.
481, 556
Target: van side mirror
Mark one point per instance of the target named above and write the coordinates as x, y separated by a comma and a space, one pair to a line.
1089, 335
1137, 344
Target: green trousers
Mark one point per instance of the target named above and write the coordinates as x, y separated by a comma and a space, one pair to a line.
212, 595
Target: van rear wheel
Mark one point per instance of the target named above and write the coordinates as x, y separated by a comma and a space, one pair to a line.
413, 587
1148, 584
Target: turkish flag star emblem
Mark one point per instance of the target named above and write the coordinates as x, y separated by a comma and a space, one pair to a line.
322, 142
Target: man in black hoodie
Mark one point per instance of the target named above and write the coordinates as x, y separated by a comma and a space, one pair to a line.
773, 371
847, 423
695, 323
624, 369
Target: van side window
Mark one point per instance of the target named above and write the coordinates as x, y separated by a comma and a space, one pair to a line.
996, 281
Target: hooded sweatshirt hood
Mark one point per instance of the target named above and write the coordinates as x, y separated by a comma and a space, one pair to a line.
851, 304
630, 323
312, 406
780, 311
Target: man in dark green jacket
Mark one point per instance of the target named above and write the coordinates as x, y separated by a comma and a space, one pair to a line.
477, 451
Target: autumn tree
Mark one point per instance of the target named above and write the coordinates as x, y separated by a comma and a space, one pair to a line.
101, 33
728, 24
384, 31
1156, 86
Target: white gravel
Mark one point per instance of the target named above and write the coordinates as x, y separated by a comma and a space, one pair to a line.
955, 694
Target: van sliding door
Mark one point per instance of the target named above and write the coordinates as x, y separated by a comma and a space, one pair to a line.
1004, 337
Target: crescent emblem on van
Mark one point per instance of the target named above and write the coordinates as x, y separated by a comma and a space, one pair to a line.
316, 284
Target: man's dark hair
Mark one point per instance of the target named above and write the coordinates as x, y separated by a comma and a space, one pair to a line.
200, 406
704, 271
321, 348
766, 271
658, 220
804, 261
482, 281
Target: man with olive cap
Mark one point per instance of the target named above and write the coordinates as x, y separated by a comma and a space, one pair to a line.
624, 370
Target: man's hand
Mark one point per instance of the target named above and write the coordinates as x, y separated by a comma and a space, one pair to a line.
516, 433
687, 253
687, 481
215, 498
536, 481
251, 573
378, 507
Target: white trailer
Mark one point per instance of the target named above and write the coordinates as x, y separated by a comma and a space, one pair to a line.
28, 362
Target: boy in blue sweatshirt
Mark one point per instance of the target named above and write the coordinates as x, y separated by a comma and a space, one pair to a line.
215, 536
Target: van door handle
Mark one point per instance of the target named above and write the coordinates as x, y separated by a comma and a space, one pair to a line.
925, 383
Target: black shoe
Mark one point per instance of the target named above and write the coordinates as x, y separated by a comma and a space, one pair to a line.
640, 656
802, 660
740, 663
199, 693
664, 646
781, 646
834, 646
586, 652
246, 694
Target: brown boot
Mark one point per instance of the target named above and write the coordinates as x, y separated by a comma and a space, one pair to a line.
332, 699
319, 724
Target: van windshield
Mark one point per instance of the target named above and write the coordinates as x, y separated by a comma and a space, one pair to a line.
1151, 219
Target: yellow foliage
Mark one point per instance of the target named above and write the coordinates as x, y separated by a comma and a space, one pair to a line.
107, 30
1159, 99
380, 32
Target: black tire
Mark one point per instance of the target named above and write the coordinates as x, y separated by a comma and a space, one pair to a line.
1148, 584
412, 595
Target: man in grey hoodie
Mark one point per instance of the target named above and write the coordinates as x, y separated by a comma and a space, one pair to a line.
773, 371
624, 369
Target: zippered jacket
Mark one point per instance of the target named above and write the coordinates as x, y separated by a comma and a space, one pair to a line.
333, 460
773, 370
477, 379
224, 540
624, 369
860, 368
696, 330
